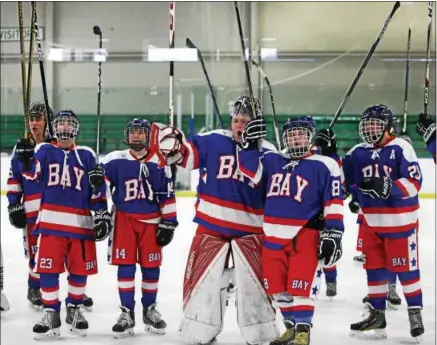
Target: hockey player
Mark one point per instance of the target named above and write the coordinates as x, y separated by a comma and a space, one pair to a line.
24, 198
229, 213
301, 186
65, 226
4, 303
388, 178
322, 140
144, 222
330, 272
24, 201
426, 128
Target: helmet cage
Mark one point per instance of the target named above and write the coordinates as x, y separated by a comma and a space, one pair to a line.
297, 139
371, 129
65, 126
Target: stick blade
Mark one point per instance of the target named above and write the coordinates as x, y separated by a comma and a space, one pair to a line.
397, 5
96, 30
189, 43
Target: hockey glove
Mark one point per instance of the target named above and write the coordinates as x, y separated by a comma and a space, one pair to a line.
377, 187
255, 129
102, 224
17, 216
354, 207
165, 232
325, 140
330, 249
96, 177
24, 151
426, 127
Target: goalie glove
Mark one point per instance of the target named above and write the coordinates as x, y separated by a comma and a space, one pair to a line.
377, 187
102, 224
255, 130
17, 216
168, 143
330, 248
165, 232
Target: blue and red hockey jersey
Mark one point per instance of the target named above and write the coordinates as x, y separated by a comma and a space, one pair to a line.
228, 203
298, 192
66, 195
21, 190
140, 189
397, 159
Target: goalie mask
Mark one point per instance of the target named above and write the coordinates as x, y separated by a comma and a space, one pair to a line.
137, 134
375, 121
66, 125
241, 112
297, 135
243, 106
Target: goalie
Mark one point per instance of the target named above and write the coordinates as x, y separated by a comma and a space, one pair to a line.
229, 214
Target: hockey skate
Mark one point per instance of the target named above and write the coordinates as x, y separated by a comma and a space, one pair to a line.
416, 323
393, 299
302, 334
125, 324
373, 326
331, 290
35, 299
153, 321
49, 326
88, 303
287, 338
75, 318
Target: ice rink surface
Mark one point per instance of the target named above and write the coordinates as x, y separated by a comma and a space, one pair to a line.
331, 322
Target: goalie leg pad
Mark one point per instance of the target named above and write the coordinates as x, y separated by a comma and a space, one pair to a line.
255, 315
204, 295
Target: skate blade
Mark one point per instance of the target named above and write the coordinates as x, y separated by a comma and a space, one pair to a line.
54, 333
418, 340
370, 334
330, 296
127, 333
151, 329
36, 307
78, 332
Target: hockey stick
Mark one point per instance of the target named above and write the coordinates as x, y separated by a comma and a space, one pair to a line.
191, 45
275, 120
246, 64
364, 64
23, 68
171, 37
41, 69
428, 59
30, 64
171, 75
407, 80
98, 32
